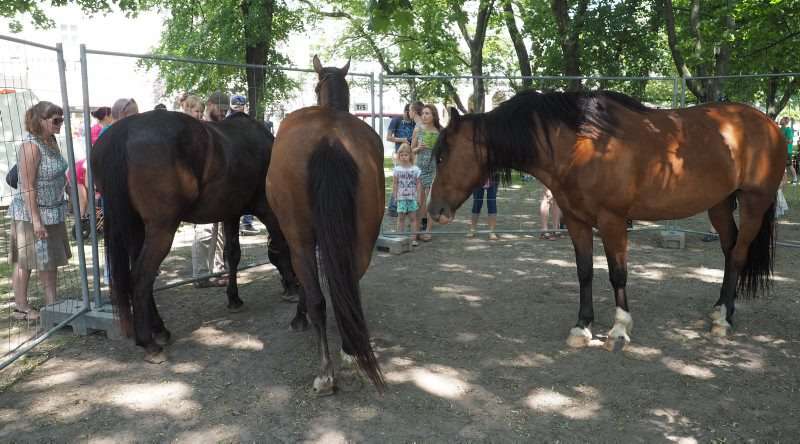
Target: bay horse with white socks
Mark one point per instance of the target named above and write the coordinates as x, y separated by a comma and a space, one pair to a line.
325, 184
608, 158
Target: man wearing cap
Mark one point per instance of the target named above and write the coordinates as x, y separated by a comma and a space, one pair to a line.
237, 106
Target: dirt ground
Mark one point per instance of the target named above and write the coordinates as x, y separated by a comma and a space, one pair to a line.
470, 335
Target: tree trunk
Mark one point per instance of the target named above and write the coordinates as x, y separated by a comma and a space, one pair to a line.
523, 59
476, 48
569, 36
257, 47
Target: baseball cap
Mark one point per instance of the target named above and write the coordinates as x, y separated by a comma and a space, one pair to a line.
238, 103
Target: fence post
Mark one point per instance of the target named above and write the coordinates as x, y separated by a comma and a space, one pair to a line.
380, 104
73, 190
90, 178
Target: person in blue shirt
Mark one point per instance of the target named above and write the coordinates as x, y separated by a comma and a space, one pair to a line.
399, 131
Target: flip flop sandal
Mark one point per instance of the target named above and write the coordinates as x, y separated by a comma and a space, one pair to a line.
546, 236
26, 315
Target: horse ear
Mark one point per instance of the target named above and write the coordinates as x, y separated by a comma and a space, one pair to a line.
345, 68
454, 113
317, 64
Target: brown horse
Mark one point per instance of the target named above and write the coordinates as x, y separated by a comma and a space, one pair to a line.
326, 186
608, 158
159, 168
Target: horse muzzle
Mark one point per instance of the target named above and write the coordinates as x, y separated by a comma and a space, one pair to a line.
440, 213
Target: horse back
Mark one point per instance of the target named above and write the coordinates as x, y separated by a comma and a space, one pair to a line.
656, 162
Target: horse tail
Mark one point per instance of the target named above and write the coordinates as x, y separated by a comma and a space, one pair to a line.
333, 191
757, 272
120, 222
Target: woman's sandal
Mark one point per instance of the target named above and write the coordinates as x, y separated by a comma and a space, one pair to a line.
546, 236
31, 314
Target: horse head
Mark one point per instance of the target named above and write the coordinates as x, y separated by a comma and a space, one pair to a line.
332, 89
461, 166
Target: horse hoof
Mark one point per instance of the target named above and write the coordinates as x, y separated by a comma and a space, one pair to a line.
291, 298
616, 344
719, 330
348, 360
155, 357
579, 337
617, 338
162, 338
324, 386
235, 307
298, 324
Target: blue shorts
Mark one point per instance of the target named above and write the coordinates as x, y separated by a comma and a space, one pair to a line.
407, 206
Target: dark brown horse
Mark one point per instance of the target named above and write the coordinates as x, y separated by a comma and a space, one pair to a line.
608, 158
325, 184
159, 168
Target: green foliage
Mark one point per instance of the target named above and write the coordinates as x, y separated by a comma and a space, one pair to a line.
214, 30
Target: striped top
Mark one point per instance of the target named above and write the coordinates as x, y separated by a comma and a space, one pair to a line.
50, 182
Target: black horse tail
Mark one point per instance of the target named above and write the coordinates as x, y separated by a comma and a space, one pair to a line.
333, 191
120, 221
757, 272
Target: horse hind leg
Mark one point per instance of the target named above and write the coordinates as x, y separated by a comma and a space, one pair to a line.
305, 265
156, 246
721, 216
161, 335
753, 208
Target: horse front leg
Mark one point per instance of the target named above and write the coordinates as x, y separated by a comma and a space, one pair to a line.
280, 256
613, 231
581, 235
232, 254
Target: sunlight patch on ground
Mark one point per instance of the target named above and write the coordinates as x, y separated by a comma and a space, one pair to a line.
642, 272
549, 401
171, 398
219, 433
439, 381
455, 267
669, 420
524, 360
769, 340
213, 337
459, 292
741, 357
277, 395
364, 413
709, 275
560, 263
52, 380
401, 362
683, 368
466, 337
186, 367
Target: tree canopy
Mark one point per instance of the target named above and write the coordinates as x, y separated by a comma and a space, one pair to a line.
704, 42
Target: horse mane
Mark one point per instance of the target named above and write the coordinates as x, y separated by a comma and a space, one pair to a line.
511, 132
336, 93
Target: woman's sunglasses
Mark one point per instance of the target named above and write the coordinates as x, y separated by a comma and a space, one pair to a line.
57, 120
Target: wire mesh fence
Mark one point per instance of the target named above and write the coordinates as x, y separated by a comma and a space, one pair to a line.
189, 259
44, 279
31, 73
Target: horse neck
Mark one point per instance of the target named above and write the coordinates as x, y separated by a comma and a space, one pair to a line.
340, 101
